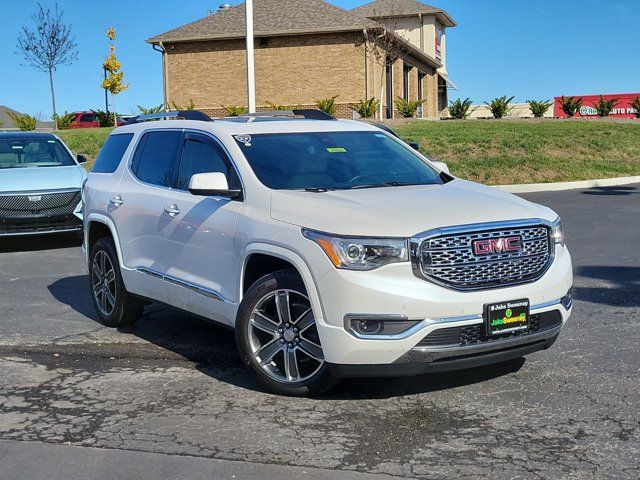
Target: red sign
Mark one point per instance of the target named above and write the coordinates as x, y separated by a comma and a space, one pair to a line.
622, 109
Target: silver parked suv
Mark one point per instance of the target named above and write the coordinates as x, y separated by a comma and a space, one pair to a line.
332, 248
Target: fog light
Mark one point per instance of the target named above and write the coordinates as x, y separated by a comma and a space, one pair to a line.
369, 327
567, 300
364, 326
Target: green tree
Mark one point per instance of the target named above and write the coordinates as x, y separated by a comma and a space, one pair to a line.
635, 104
408, 108
366, 108
48, 45
23, 121
114, 83
604, 107
570, 105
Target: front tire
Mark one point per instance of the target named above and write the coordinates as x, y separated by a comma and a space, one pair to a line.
115, 306
278, 339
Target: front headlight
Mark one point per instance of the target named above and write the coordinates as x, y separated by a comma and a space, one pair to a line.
556, 231
356, 253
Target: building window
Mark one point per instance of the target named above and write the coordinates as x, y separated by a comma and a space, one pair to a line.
420, 87
405, 81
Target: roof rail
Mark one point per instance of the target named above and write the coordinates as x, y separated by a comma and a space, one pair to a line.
306, 113
175, 115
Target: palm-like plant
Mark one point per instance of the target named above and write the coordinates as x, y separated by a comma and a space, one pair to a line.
538, 109
460, 109
328, 105
367, 108
499, 106
408, 108
604, 107
570, 105
635, 104
150, 110
234, 110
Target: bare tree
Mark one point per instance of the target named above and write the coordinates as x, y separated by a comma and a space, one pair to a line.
48, 44
385, 46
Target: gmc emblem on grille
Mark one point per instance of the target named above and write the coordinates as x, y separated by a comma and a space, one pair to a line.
497, 245
35, 198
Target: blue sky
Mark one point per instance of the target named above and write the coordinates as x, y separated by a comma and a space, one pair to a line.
533, 49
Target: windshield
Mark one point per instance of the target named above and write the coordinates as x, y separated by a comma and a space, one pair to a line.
333, 161
32, 153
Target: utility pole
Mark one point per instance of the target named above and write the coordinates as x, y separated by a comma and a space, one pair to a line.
251, 80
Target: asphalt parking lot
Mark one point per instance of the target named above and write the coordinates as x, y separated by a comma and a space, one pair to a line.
169, 398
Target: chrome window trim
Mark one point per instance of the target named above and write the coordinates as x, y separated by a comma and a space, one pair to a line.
416, 242
207, 292
442, 322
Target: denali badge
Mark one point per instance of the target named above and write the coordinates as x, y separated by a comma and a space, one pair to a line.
35, 198
497, 245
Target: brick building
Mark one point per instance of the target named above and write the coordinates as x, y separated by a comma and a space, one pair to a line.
307, 50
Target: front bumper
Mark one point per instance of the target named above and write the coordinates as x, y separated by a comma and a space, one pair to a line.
394, 290
39, 226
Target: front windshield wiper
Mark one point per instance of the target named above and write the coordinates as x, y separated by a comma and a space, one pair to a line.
316, 189
384, 184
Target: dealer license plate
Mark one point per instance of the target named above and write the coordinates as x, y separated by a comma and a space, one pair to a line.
507, 317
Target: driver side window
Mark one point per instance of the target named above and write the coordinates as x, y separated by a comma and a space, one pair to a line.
202, 155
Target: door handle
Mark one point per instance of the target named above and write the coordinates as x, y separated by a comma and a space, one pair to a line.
117, 200
172, 209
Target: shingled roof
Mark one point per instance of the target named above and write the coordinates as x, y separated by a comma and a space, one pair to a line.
402, 8
270, 18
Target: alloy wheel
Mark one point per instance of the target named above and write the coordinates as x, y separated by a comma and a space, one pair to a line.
103, 279
283, 336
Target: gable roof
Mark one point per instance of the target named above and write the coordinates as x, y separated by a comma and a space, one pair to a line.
402, 8
270, 18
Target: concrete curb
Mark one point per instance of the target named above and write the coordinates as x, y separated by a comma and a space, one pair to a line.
554, 187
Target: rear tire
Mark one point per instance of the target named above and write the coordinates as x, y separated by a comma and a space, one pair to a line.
277, 337
115, 306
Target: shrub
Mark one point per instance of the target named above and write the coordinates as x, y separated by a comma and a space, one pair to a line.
570, 105
367, 108
408, 108
278, 108
23, 121
191, 106
604, 107
233, 110
105, 119
328, 105
499, 106
538, 109
460, 108
150, 111
63, 121
635, 104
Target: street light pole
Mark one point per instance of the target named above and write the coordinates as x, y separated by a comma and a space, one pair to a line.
251, 81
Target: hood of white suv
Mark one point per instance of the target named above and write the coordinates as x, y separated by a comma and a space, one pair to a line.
41, 178
401, 211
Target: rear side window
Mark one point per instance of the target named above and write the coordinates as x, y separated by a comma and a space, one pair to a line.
111, 153
153, 162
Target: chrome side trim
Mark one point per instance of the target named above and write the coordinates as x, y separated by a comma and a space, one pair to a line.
441, 322
42, 232
207, 292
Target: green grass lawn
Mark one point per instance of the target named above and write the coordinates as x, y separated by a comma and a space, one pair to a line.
85, 140
496, 152
530, 151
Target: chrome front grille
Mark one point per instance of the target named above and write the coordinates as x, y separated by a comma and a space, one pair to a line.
447, 257
38, 204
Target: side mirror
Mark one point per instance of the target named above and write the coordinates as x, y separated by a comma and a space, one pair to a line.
441, 166
414, 145
81, 158
213, 183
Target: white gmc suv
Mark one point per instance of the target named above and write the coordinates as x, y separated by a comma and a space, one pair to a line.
332, 248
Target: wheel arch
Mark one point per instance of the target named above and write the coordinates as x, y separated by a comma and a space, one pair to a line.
99, 226
278, 256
